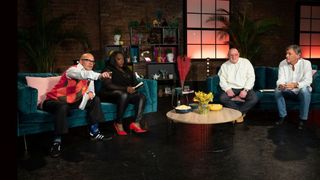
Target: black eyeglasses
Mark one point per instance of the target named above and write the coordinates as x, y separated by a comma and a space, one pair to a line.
89, 60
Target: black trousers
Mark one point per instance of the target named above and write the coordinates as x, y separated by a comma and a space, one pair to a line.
123, 99
250, 100
61, 110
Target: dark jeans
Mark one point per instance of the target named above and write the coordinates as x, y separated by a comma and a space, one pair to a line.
122, 99
61, 110
250, 100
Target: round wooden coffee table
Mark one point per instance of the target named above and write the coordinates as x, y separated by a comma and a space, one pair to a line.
212, 117
225, 115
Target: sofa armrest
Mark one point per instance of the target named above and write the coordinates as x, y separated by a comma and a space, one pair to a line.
213, 84
27, 98
316, 82
150, 89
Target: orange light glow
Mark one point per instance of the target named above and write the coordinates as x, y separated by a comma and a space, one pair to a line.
315, 52
310, 52
211, 51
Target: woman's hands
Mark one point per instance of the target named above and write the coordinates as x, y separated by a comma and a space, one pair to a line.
130, 90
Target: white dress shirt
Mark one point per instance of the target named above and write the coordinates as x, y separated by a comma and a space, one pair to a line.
239, 75
302, 74
78, 72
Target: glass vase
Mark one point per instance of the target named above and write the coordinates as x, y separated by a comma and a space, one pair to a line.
203, 108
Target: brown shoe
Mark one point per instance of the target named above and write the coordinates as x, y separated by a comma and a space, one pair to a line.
240, 119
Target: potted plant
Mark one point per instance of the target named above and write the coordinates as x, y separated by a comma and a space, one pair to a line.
41, 40
245, 33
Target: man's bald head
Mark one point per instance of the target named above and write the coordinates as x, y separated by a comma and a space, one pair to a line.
87, 61
233, 55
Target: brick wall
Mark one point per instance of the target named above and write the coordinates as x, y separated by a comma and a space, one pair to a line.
100, 17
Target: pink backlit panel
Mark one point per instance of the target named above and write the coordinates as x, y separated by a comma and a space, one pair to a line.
223, 4
305, 51
304, 39
315, 52
315, 39
194, 51
305, 25
315, 25
193, 6
193, 37
205, 24
222, 51
208, 51
222, 39
193, 20
220, 24
315, 11
305, 11
208, 37
310, 51
208, 6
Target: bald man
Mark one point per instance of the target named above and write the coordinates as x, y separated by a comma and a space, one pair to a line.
237, 80
75, 89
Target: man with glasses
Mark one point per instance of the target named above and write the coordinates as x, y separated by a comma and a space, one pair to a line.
75, 90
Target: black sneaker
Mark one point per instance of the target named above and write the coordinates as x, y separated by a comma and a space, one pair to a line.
280, 121
55, 150
99, 137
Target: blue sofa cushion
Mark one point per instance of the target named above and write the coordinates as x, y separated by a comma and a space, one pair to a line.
260, 82
316, 82
271, 77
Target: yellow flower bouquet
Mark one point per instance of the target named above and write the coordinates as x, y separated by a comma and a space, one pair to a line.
203, 99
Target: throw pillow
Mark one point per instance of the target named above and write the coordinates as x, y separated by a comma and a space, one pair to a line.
313, 72
43, 85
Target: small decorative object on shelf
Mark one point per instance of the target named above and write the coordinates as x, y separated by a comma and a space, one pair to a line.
203, 99
117, 35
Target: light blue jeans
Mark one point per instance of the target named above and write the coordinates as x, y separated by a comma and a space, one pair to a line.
304, 97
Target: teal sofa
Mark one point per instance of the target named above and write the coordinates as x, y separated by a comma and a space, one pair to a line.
266, 78
32, 120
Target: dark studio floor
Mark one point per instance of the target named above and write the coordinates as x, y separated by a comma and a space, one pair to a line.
253, 150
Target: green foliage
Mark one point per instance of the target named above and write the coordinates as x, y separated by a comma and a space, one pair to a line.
117, 30
245, 34
41, 40
168, 50
133, 24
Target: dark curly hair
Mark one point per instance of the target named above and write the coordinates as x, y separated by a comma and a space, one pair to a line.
112, 61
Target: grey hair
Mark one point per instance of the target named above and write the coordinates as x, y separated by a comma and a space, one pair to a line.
295, 48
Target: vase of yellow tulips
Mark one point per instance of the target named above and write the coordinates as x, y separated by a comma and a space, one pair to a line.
203, 99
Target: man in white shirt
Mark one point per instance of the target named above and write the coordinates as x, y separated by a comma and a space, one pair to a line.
75, 89
236, 80
294, 80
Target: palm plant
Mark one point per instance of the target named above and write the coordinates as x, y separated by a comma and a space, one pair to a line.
245, 34
41, 40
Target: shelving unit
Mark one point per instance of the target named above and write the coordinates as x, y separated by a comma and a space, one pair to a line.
148, 51
153, 43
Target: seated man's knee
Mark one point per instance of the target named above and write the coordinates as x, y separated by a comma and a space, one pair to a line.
277, 93
304, 90
224, 97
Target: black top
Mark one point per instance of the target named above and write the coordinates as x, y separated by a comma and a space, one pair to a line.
120, 79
